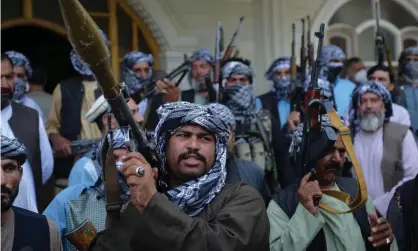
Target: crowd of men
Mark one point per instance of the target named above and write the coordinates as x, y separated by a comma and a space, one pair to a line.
229, 174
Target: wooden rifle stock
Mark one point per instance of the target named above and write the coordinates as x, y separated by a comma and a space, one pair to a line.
82, 236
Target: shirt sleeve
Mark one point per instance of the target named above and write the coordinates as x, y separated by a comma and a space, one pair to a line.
258, 104
53, 123
47, 156
54, 237
410, 166
295, 233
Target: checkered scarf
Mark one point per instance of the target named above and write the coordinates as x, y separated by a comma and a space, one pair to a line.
324, 84
240, 99
118, 142
203, 54
410, 68
13, 149
79, 65
193, 195
236, 68
18, 59
373, 87
131, 79
225, 114
330, 52
21, 87
281, 86
297, 135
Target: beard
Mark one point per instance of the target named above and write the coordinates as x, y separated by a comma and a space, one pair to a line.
7, 200
199, 83
6, 97
372, 121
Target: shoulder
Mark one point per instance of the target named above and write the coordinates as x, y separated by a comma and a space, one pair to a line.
266, 95
250, 166
26, 213
24, 108
241, 194
69, 193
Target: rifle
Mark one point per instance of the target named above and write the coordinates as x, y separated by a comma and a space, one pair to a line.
312, 125
293, 70
231, 45
310, 46
85, 37
303, 53
79, 147
219, 47
382, 48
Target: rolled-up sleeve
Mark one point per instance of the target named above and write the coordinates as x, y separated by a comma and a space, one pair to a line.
292, 234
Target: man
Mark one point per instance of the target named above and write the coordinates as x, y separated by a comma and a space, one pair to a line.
238, 169
277, 100
296, 223
198, 211
36, 90
408, 65
332, 59
393, 157
22, 71
84, 170
80, 202
21, 229
355, 71
14, 124
255, 138
402, 215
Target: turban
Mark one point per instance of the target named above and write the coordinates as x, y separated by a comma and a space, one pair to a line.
13, 149
373, 87
193, 195
330, 52
18, 59
278, 64
411, 51
225, 114
297, 135
79, 65
235, 67
131, 79
203, 54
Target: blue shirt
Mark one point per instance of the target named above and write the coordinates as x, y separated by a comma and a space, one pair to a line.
283, 106
343, 90
84, 172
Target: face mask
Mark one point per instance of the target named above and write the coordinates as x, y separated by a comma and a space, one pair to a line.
240, 99
281, 86
20, 89
361, 77
410, 70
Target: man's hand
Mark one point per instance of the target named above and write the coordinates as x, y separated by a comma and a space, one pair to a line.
293, 120
142, 187
307, 190
381, 231
60, 145
168, 90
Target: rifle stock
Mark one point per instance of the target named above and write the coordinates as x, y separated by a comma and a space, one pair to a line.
82, 236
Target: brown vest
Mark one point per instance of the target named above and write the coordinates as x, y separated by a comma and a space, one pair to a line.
392, 163
25, 126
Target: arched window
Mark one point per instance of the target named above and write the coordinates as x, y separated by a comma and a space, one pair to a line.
409, 36
126, 31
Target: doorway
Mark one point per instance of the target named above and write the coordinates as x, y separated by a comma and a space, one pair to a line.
44, 48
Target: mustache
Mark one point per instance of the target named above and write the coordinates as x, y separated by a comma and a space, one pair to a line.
5, 189
193, 152
332, 165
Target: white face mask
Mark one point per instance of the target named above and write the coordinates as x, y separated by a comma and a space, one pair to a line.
361, 77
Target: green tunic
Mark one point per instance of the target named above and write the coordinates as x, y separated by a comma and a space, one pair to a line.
342, 232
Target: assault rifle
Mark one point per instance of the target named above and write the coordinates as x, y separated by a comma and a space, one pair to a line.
231, 45
382, 48
310, 46
79, 147
293, 68
219, 47
85, 37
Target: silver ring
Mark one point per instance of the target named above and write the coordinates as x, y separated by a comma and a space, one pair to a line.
387, 241
140, 171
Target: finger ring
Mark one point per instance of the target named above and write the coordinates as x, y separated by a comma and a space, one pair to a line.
387, 241
140, 171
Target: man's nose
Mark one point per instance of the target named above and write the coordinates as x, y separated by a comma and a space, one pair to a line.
336, 156
192, 143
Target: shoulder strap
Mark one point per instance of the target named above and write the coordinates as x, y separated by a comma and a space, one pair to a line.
361, 194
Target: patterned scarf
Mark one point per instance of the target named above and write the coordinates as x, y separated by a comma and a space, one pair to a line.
373, 87
225, 114
21, 87
202, 54
281, 85
193, 195
79, 65
13, 149
236, 68
131, 79
18, 59
240, 99
331, 69
117, 143
410, 68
